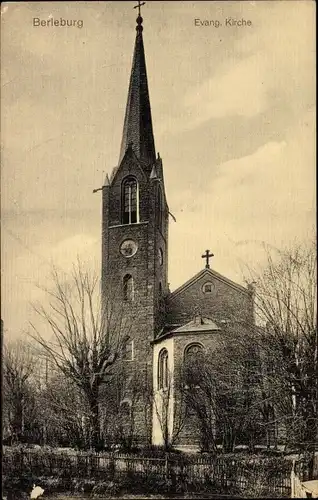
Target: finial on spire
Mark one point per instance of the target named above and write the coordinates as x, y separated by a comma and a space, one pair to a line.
139, 19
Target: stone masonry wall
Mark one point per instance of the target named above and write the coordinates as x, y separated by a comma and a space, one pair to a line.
144, 314
225, 302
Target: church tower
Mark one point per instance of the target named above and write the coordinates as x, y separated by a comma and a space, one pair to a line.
135, 220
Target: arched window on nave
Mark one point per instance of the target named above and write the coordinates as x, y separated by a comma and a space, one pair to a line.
193, 364
163, 376
193, 351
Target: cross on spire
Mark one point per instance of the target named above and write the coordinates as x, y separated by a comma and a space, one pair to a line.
207, 255
140, 4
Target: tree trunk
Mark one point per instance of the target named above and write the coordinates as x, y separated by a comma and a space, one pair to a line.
17, 419
310, 425
208, 443
95, 424
228, 439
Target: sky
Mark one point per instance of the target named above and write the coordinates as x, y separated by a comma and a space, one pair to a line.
233, 118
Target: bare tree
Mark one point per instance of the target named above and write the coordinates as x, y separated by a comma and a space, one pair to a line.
19, 398
285, 299
263, 375
120, 403
170, 408
220, 393
88, 333
64, 413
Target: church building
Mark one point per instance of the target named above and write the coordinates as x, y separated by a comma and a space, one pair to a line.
167, 325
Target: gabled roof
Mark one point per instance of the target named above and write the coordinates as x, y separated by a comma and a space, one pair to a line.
198, 324
212, 274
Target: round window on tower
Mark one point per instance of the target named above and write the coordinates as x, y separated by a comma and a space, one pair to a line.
128, 248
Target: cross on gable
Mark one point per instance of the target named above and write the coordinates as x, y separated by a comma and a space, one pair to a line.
207, 255
140, 4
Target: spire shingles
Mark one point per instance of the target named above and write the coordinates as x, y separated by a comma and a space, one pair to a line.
138, 123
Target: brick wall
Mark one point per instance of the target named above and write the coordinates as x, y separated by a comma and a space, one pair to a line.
226, 301
145, 315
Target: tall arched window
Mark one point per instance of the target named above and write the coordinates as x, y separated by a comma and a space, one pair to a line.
128, 349
163, 369
130, 201
193, 359
128, 288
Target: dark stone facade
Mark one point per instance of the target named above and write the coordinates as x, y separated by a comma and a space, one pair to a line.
148, 271
195, 316
227, 300
154, 313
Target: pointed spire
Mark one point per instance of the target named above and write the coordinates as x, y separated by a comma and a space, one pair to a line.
138, 123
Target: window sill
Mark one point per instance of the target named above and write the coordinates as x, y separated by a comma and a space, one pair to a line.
165, 389
128, 225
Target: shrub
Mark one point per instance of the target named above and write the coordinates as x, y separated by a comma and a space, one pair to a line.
105, 488
155, 451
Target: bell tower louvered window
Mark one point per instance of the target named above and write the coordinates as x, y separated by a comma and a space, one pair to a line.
130, 201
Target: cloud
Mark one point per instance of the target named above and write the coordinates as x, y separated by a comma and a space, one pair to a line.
237, 90
245, 173
255, 70
271, 192
241, 94
82, 246
31, 268
265, 197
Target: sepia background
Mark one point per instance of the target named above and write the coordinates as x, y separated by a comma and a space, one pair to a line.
233, 116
